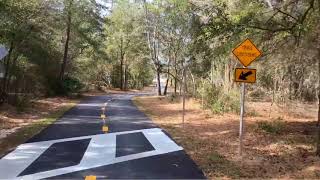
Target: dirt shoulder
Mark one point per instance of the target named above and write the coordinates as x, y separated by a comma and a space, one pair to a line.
17, 125
277, 144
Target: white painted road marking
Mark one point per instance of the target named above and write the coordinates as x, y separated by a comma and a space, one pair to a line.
100, 152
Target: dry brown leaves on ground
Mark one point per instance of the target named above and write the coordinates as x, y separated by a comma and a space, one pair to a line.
212, 140
11, 119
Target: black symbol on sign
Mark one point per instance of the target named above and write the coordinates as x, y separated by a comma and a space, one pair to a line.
243, 76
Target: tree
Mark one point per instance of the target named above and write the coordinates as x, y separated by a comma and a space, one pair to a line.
32, 30
68, 10
125, 44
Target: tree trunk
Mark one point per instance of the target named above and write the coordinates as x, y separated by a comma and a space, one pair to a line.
7, 68
180, 88
175, 86
159, 81
12, 67
319, 92
175, 79
211, 73
194, 83
318, 142
152, 48
121, 73
121, 64
66, 46
168, 77
318, 107
166, 87
125, 77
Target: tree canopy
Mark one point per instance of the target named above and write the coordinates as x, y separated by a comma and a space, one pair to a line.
58, 46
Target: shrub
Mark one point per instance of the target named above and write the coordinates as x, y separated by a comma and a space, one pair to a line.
217, 107
67, 86
218, 100
231, 101
251, 113
273, 127
257, 94
173, 98
22, 102
71, 85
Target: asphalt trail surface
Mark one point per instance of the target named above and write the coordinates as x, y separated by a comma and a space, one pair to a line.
75, 146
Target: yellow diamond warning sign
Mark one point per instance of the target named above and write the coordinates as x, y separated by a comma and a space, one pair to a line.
245, 75
247, 52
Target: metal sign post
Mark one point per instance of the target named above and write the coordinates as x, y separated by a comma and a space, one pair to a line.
184, 96
184, 86
246, 53
241, 130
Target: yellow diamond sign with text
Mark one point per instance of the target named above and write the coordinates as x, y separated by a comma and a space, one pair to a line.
247, 52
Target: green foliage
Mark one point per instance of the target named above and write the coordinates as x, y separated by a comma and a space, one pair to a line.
273, 127
71, 85
22, 102
68, 86
217, 107
126, 47
138, 38
220, 101
289, 66
34, 32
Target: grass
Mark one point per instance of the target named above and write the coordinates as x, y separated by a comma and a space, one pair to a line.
26, 132
251, 113
273, 127
223, 167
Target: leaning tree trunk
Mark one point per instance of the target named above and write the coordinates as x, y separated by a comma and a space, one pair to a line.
168, 77
66, 46
166, 87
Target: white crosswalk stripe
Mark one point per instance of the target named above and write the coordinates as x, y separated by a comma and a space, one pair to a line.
100, 152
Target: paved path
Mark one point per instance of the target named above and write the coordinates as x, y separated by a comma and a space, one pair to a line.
75, 147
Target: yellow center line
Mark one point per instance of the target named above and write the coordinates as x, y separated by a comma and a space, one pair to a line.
91, 178
105, 128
